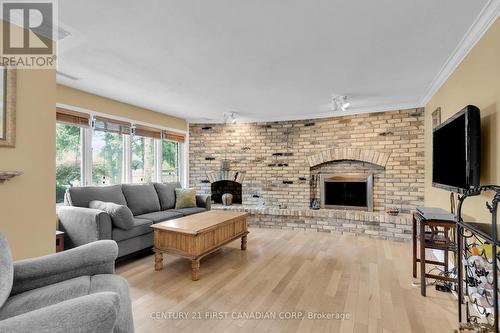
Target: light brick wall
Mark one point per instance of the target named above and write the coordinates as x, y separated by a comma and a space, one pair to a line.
250, 147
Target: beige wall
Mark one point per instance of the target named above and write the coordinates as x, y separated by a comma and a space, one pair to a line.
27, 202
476, 81
74, 97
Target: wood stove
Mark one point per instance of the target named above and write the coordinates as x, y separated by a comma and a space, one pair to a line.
347, 191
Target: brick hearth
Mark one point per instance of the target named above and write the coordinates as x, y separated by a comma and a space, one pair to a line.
372, 224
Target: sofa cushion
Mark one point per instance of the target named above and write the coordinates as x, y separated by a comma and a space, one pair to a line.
141, 227
141, 198
45, 296
120, 215
6, 270
185, 198
161, 216
190, 211
166, 194
82, 196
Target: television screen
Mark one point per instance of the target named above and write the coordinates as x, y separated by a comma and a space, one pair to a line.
456, 151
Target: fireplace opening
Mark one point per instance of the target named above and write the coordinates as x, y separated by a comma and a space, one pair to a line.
221, 187
347, 191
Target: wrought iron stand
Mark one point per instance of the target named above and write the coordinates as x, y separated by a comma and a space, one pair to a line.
478, 265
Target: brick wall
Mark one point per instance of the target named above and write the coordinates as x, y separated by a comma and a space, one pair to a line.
275, 155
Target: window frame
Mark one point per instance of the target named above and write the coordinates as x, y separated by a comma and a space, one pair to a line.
87, 152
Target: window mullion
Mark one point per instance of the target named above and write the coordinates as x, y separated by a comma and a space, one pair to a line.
87, 156
158, 160
127, 159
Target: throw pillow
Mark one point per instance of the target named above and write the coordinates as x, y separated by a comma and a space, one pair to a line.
185, 198
121, 215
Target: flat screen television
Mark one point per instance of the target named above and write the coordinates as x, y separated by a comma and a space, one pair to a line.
456, 151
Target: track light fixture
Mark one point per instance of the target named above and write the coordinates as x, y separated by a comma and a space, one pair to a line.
340, 103
230, 117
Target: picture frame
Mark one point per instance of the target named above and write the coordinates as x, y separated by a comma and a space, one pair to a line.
8, 107
436, 117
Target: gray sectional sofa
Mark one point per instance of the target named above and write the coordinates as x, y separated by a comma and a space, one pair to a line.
150, 203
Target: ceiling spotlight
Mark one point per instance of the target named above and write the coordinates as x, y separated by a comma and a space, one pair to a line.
340, 103
230, 117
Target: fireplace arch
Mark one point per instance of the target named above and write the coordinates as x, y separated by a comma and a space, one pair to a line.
353, 154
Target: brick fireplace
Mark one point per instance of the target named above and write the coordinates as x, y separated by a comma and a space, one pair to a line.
283, 162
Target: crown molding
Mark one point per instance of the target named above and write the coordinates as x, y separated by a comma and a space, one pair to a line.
485, 19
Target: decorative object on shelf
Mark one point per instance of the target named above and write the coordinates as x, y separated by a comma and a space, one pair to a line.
436, 117
478, 273
314, 203
393, 211
8, 109
227, 199
7, 175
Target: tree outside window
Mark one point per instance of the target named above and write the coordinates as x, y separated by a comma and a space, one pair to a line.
143, 159
107, 158
170, 161
68, 158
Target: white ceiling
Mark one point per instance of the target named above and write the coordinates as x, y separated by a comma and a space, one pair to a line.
265, 60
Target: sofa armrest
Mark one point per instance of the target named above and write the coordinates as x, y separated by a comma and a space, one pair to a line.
204, 201
90, 259
92, 313
83, 225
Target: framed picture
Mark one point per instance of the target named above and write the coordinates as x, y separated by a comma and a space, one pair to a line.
436, 117
8, 107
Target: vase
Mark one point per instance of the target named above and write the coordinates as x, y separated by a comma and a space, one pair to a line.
227, 199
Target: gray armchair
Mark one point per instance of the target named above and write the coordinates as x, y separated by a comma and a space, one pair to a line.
71, 291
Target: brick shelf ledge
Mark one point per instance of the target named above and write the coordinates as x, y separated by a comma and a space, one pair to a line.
372, 224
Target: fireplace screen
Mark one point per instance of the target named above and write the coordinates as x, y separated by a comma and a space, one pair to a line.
353, 191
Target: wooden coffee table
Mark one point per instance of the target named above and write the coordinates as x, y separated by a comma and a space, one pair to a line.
197, 235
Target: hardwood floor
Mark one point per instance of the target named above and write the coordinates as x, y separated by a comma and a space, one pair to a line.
285, 273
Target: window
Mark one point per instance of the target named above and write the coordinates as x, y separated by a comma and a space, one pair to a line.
170, 161
143, 159
112, 152
107, 158
68, 158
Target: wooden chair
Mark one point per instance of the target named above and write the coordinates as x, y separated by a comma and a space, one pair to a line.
436, 235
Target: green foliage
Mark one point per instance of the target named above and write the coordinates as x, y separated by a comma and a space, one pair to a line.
109, 159
65, 174
170, 156
67, 140
68, 158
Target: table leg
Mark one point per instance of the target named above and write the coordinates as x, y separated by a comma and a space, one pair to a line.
414, 241
158, 261
446, 258
422, 259
244, 243
195, 269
